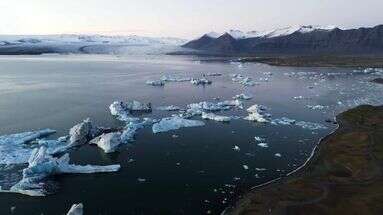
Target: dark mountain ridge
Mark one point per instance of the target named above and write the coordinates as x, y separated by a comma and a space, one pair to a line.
317, 42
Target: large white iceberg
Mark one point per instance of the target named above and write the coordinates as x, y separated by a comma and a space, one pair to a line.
41, 165
14, 148
76, 209
202, 81
174, 123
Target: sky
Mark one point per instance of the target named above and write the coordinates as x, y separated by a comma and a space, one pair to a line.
180, 18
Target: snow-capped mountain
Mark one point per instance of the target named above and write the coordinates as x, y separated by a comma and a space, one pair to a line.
298, 40
237, 34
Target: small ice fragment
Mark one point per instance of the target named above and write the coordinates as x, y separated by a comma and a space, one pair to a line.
255, 114
259, 139
76, 209
155, 83
243, 96
174, 123
263, 145
214, 74
260, 169
141, 180
245, 167
169, 108
108, 142
236, 148
215, 117
202, 81
278, 155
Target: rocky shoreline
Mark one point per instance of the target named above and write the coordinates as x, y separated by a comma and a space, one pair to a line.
343, 176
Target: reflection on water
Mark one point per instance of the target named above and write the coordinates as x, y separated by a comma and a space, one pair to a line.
195, 171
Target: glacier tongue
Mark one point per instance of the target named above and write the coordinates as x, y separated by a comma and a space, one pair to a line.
13, 148
41, 165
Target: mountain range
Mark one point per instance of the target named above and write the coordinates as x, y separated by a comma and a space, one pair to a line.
301, 40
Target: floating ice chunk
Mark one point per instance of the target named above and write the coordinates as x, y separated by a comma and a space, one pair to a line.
79, 135
278, 155
231, 103
316, 107
259, 139
245, 81
76, 209
255, 114
169, 108
202, 81
174, 123
263, 145
174, 79
141, 180
283, 121
243, 96
108, 142
41, 165
215, 117
245, 167
13, 148
155, 83
123, 110
302, 124
260, 169
310, 125
236, 148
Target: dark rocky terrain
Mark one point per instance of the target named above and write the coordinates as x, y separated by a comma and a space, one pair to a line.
360, 41
344, 177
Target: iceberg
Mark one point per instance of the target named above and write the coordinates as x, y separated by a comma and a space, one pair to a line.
174, 79
155, 83
255, 114
41, 165
174, 123
215, 117
79, 134
76, 209
123, 110
302, 124
263, 145
243, 96
13, 148
108, 142
169, 108
202, 81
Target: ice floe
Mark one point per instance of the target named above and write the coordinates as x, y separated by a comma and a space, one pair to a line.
215, 117
14, 148
123, 110
169, 108
108, 142
41, 165
255, 114
76, 209
174, 123
245, 81
263, 145
156, 83
170, 78
302, 124
201, 81
243, 96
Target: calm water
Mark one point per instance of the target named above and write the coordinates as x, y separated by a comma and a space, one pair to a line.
191, 174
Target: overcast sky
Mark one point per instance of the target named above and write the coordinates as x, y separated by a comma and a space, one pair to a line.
180, 18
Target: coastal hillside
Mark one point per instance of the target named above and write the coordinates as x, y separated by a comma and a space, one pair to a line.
303, 40
345, 176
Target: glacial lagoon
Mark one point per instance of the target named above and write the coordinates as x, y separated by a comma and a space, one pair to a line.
193, 170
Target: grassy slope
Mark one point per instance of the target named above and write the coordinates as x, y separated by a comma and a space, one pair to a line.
345, 177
